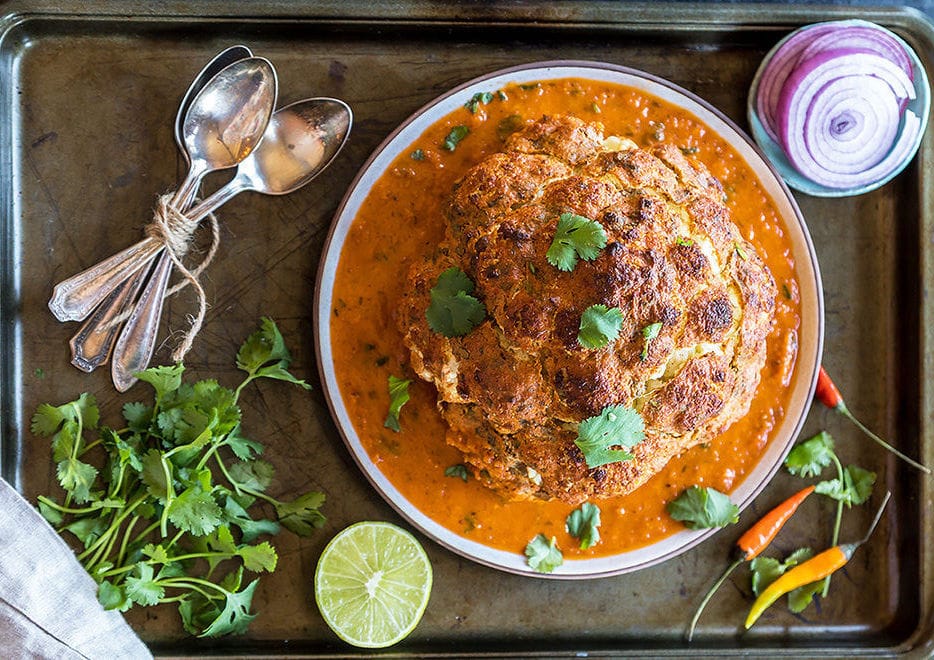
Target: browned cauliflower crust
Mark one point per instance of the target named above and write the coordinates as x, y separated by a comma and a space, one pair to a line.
514, 389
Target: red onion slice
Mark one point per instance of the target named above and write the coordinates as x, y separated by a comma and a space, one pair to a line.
860, 37
839, 115
776, 72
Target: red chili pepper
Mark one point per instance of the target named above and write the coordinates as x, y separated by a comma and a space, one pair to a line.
828, 394
756, 539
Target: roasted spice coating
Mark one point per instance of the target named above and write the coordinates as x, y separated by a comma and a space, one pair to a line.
513, 390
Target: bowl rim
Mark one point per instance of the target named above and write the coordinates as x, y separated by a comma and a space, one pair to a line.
803, 383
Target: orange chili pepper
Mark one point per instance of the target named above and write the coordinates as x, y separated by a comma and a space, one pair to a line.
828, 394
812, 570
756, 539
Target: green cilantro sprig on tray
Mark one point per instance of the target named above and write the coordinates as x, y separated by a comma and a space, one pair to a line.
765, 570
453, 312
615, 426
576, 238
169, 501
853, 484
702, 508
599, 326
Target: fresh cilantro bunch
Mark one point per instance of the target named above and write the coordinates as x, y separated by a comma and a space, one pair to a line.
164, 514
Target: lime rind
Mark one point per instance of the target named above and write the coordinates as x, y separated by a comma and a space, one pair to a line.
372, 584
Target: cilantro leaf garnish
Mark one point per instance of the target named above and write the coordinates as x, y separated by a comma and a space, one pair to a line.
418, 154
599, 326
854, 488
398, 397
453, 138
576, 237
703, 508
459, 471
175, 490
453, 312
809, 458
583, 523
543, 555
649, 333
615, 425
477, 99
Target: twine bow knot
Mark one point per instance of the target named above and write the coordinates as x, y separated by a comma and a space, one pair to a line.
175, 230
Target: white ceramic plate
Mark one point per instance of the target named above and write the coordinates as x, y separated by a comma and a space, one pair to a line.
810, 332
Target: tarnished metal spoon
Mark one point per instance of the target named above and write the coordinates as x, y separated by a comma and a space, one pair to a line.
300, 141
92, 344
226, 120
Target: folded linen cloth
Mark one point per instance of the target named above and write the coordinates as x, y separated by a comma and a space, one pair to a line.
48, 602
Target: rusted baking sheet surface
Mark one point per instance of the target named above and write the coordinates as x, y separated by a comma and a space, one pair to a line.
89, 96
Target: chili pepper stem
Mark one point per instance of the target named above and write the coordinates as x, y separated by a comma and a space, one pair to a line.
710, 593
843, 410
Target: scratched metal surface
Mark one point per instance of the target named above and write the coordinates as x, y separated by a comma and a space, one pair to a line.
88, 102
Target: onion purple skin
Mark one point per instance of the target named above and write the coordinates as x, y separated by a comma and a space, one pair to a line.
846, 148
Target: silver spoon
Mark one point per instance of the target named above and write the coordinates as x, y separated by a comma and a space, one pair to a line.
300, 141
92, 344
224, 123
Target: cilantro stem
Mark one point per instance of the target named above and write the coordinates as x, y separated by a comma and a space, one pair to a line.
190, 582
169, 496
233, 482
88, 447
64, 509
79, 436
839, 519
126, 536
146, 532
115, 524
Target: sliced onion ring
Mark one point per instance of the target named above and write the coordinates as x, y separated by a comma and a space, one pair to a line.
834, 93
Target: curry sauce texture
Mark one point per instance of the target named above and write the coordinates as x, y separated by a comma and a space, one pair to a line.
695, 261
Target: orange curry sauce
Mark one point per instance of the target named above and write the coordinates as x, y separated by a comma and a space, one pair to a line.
402, 220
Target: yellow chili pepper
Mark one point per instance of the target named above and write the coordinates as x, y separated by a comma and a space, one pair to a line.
814, 569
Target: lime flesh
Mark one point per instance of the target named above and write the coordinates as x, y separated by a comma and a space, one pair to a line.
372, 584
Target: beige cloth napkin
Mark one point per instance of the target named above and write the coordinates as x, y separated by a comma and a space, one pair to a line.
48, 602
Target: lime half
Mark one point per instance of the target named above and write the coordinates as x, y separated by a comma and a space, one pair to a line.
372, 584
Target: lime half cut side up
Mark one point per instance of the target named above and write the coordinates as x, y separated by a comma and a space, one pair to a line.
372, 584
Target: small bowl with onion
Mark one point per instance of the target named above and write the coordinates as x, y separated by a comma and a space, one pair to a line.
839, 107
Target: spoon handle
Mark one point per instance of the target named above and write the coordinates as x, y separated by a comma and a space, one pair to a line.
138, 340
74, 299
92, 344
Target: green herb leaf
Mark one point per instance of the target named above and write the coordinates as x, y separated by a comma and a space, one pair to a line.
583, 524
141, 588
453, 138
809, 458
137, 415
599, 326
477, 99
195, 512
453, 312
113, 597
765, 570
258, 558
703, 508
543, 555
164, 380
614, 426
459, 471
264, 355
255, 475
235, 618
250, 529
856, 487
77, 478
800, 598
398, 397
576, 237
302, 515
418, 154
243, 448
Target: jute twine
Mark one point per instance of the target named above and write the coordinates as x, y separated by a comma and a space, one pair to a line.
175, 231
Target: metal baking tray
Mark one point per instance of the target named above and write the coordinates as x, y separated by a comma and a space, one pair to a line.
88, 99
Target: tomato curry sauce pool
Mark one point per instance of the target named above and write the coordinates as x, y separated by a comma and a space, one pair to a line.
402, 219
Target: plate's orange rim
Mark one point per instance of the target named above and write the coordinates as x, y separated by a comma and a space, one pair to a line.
514, 562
